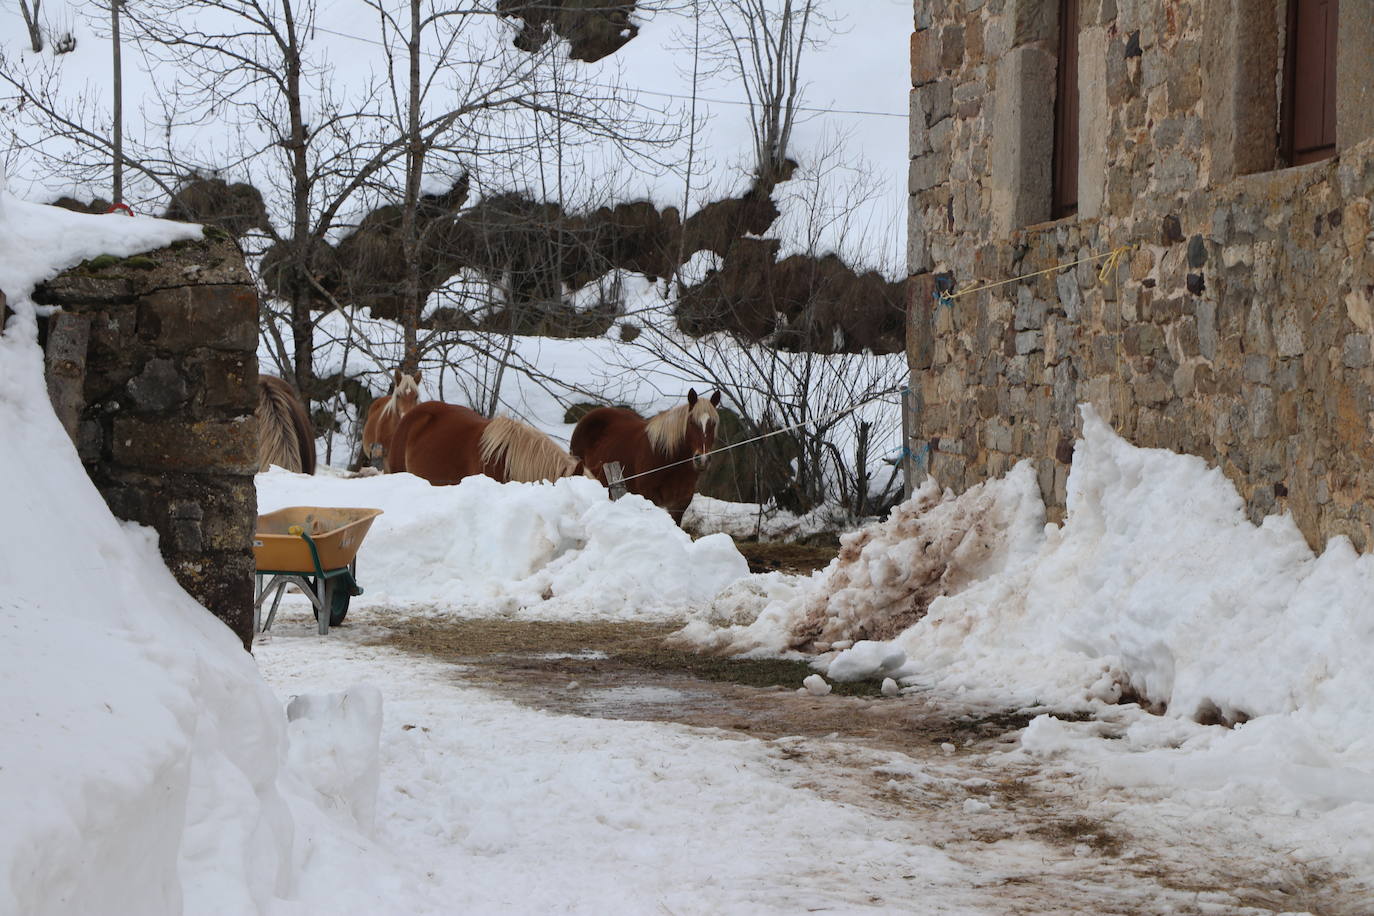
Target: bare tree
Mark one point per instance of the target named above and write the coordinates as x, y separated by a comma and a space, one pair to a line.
762, 43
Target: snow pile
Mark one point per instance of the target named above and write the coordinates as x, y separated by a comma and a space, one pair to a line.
1160, 588
1157, 590
140, 749
887, 575
141, 754
551, 551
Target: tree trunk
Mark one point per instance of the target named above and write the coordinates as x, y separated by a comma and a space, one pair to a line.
410, 234
31, 21
302, 239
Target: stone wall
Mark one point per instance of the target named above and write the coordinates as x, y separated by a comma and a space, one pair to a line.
159, 398
1238, 325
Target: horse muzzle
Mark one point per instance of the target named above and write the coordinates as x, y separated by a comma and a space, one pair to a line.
700, 461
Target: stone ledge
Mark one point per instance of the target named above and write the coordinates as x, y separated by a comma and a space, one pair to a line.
174, 444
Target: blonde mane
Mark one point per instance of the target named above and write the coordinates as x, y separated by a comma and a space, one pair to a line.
524, 452
667, 430
405, 388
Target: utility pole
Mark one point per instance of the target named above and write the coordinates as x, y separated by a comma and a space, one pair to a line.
118, 107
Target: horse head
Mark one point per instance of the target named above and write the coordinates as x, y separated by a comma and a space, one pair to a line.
405, 390
702, 420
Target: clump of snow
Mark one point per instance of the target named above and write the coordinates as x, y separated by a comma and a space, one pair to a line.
815, 685
333, 749
562, 550
890, 687
708, 515
887, 575
865, 660
38, 242
740, 602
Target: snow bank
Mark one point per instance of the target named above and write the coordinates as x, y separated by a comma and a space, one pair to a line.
141, 754
886, 575
1157, 589
549, 551
140, 747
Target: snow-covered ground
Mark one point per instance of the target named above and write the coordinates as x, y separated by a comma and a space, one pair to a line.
147, 765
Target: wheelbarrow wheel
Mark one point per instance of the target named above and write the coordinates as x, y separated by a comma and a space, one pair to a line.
336, 597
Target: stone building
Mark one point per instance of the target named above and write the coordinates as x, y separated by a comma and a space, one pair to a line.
151, 363
1225, 149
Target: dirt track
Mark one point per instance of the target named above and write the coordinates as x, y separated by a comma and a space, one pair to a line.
947, 787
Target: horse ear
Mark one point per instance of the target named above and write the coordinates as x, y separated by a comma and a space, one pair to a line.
715, 398
691, 397
398, 377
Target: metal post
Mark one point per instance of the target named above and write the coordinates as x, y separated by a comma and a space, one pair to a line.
908, 439
615, 479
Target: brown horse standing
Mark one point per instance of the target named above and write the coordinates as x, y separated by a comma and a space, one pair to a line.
285, 436
669, 449
384, 415
443, 443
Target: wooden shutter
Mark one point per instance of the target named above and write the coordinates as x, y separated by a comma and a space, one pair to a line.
1064, 180
1310, 81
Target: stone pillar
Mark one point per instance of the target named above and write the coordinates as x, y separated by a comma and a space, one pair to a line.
1094, 121
165, 426
1023, 146
1240, 61
1354, 73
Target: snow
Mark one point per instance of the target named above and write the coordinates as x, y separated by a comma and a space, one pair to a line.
560, 551
146, 765
39, 241
141, 764
496, 808
1157, 588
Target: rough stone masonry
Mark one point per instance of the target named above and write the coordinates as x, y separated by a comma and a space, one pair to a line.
1237, 327
152, 366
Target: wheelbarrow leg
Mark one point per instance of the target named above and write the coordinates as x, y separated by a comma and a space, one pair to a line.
324, 603
277, 587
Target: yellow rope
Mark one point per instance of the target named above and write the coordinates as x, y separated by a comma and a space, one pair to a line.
1112, 257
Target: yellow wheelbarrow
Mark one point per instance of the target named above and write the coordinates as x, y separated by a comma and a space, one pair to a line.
315, 549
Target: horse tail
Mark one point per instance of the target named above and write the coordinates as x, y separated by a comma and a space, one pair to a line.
285, 436
522, 452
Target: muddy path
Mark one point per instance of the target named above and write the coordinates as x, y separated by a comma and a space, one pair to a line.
934, 769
